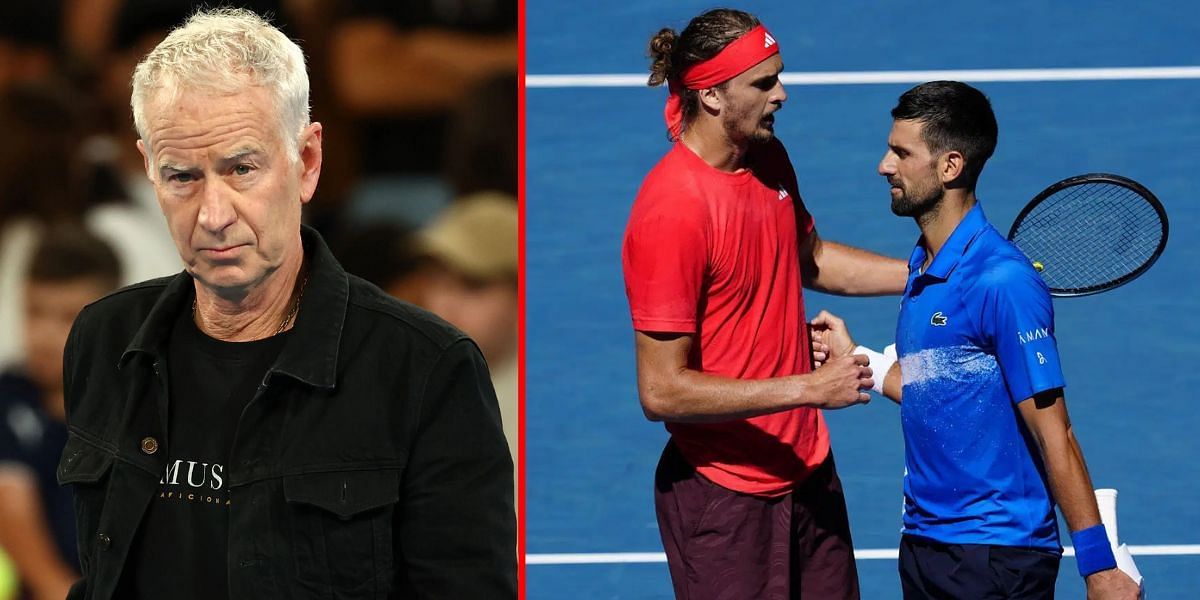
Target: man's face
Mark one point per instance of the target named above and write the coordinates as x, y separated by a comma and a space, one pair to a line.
750, 101
911, 170
50, 309
227, 184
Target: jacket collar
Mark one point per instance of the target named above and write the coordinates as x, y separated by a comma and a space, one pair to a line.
311, 352
956, 245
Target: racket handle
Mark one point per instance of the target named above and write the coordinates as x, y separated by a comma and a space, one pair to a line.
1106, 500
1126, 565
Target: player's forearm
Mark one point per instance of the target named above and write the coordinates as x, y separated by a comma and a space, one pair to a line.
849, 271
690, 396
893, 384
1069, 480
1072, 489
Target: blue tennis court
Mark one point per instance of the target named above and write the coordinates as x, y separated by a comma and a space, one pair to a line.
1128, 355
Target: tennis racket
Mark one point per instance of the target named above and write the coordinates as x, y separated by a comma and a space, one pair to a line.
1091, 233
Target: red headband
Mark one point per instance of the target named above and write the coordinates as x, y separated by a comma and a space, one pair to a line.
752, 48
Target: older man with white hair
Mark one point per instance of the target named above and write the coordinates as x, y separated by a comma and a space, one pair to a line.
264, 425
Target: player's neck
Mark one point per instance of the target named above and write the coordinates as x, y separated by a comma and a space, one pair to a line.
708, 140
938, 224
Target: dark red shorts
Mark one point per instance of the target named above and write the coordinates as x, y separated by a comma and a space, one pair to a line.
722, 544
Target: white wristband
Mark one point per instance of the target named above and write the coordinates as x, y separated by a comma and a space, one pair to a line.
880, 364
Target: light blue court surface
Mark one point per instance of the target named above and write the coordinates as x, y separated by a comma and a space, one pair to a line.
1129, 355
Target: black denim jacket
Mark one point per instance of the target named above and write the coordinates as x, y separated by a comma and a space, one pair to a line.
370, 463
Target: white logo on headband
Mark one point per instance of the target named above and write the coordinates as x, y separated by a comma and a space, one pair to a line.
768, 40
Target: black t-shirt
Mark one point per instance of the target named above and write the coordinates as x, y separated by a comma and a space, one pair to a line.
180, 550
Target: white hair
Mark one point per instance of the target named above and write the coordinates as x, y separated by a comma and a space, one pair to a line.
225, 50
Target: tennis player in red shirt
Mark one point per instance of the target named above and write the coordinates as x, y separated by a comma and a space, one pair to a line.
716, 251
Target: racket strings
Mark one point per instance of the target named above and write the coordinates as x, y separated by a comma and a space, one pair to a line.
1089, 235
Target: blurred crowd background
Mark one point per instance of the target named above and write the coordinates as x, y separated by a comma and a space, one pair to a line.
418, 195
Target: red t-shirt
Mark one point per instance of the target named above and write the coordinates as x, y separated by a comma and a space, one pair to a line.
715, 254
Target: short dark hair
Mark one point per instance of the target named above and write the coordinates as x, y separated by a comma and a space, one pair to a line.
705, 36
68, 252
954, 116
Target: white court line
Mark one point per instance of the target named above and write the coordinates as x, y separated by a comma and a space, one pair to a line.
873, 77
871, 554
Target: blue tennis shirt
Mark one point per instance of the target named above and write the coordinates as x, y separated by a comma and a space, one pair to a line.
975, 337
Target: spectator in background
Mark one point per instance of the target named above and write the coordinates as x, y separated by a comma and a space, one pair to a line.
399, 69
481, 150
473, 285
404, 65
45, 177
388, 255
70, 268
29, 41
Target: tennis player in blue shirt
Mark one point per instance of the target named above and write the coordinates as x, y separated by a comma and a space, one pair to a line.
988, 445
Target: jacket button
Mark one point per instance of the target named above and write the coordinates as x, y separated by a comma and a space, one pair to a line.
149, 445
104, 541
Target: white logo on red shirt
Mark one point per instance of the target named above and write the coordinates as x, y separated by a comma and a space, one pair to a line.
783, 194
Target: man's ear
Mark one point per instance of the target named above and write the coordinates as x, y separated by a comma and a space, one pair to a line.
710, 99
951, 166
311, 156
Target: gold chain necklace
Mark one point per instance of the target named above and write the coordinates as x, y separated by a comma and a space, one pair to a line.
286, 318
295, 307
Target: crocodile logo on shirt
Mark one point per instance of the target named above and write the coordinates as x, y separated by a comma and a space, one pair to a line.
938, 319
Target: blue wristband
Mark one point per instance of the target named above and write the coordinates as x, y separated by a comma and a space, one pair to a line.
1092, 551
